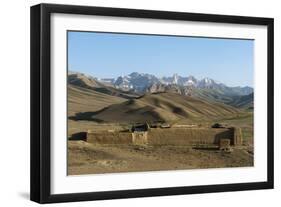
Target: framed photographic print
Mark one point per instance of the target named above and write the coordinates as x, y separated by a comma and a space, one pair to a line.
133, 103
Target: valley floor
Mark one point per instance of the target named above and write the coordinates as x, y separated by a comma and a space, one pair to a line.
86, 158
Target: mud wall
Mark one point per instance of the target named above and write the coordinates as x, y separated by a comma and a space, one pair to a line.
237, 136
109, 137
169, 136
140, 138
188, 136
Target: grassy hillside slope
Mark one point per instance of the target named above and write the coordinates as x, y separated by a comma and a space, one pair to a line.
246, 102
167, 107
81, 100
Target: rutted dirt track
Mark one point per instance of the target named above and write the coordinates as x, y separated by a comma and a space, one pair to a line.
86, 158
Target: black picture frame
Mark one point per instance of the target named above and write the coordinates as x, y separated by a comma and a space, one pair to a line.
41, 98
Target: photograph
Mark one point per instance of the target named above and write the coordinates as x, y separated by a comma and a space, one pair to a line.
150, 102
132, 103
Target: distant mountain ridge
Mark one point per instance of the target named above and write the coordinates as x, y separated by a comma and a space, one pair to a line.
89, 82
136, 84
246, 101
141, 82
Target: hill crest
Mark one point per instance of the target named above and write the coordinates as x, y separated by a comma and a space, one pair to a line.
161, 107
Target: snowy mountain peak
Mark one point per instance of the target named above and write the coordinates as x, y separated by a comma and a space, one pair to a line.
175, 78
140, 82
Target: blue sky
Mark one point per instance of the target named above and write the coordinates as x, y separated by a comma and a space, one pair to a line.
108, 55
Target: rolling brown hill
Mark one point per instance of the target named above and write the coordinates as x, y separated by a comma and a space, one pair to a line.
82, 100
87, 82
166, 107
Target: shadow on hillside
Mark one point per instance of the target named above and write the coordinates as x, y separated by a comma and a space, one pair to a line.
87, 116
80, 136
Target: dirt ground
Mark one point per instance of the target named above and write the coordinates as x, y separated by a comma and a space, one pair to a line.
87, 158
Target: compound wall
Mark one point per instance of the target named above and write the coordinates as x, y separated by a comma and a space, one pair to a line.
109, 137
169, 136
188, 136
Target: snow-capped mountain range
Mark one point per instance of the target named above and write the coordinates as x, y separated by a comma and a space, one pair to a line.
136, 84
140, 82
